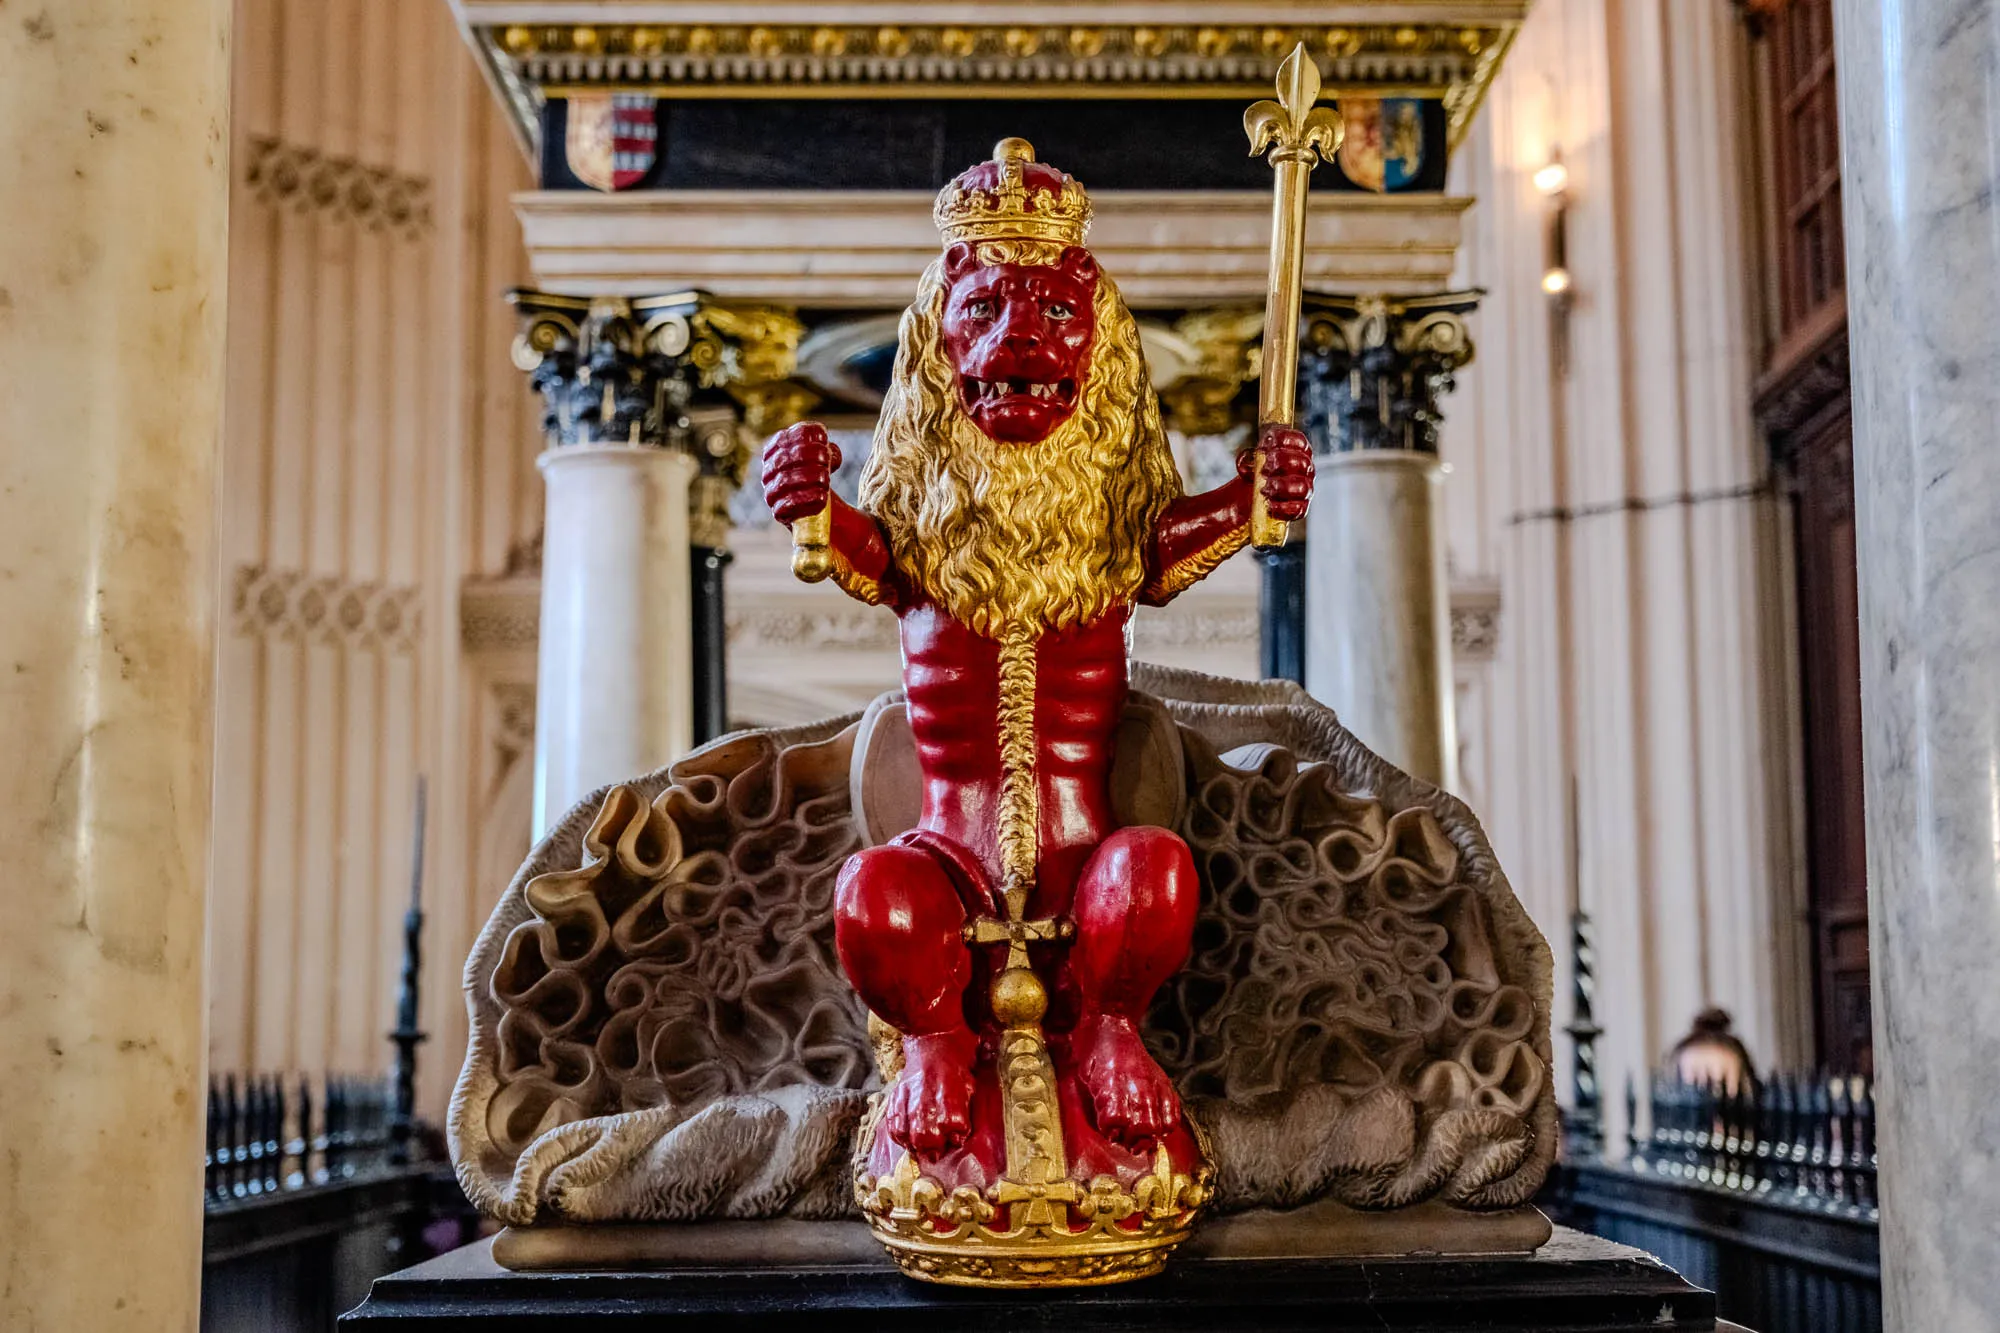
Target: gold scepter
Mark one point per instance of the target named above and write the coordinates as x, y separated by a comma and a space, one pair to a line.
1298, 135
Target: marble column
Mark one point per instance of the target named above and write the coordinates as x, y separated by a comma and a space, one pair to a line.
114, 131
613, 683
642, 399
1378, 612
1920, 143
613, 673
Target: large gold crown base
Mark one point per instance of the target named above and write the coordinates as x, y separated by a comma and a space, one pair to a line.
1055, 1233
1108, 1234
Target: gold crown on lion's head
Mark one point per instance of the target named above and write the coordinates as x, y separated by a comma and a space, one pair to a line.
1013, 197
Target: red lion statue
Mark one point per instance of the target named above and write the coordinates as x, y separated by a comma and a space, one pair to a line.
1019, 501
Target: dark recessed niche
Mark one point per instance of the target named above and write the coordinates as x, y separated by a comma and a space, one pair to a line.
919, 144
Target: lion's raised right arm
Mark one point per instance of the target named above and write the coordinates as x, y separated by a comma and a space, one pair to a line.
798, 482
1199, 532
1193, 536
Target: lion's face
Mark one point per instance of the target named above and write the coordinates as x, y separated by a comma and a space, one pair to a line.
1019, 338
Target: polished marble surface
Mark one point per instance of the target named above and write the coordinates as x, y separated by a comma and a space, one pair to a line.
614, 689
1920, 102
114, 169
1378, 623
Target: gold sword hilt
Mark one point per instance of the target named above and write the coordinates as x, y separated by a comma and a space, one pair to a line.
812, 544
1295, 136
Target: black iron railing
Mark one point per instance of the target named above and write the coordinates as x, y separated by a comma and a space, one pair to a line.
1764, 1191
270, 1134
1802, 1141
318, 1185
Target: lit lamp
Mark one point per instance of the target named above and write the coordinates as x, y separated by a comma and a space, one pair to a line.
1552, 182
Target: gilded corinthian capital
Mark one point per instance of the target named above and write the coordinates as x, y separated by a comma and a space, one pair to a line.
1373, 369
629, 370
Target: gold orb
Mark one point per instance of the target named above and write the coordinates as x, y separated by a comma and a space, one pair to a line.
1019, 998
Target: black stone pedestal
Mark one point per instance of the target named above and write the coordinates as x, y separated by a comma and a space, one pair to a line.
1573, 1283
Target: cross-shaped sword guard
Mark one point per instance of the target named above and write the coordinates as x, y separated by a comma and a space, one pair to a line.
1017, 935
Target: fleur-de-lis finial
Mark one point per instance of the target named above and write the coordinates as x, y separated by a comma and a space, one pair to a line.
1295, 135
1292, 128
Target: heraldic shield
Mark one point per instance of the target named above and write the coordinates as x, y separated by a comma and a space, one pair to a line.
613, 139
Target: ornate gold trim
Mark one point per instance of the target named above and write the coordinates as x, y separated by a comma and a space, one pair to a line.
1089, 1237
1019, 799
854, 583
1228, 345
1190, 570
1453, 61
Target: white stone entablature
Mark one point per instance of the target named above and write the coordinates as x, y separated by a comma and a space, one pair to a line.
865, 249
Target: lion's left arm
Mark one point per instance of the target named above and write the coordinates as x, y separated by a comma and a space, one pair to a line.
1193, 536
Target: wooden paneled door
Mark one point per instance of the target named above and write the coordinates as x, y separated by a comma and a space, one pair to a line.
1830, 669
1803, 404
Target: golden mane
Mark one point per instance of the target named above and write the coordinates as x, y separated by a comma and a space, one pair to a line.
1039, 537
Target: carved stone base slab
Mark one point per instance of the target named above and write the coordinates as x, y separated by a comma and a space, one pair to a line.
1330, 1230
1324, 1230
777, 1243
1572, 1283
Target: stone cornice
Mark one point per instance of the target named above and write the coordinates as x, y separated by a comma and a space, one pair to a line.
1450, 49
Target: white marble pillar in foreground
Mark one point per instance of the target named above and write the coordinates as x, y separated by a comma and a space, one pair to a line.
1372, 374
613, 694
1921, 180
1378, 612
114, 150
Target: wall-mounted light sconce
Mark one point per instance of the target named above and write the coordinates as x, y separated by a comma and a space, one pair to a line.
1552, 182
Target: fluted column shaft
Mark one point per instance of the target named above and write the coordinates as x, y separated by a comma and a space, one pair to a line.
1919, 145
614, 673
114, 136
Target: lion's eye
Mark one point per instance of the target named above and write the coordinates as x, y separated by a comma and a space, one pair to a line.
1057, 310
979, 309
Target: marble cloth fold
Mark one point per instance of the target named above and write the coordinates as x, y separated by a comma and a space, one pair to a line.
660, 1031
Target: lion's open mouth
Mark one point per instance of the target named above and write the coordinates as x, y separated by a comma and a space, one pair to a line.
983, 391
